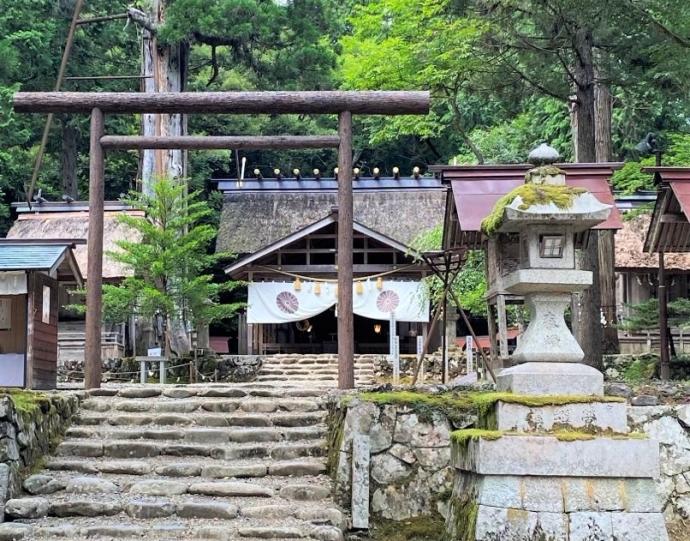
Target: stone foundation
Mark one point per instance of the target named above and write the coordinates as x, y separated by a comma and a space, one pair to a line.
571, 472
28, 433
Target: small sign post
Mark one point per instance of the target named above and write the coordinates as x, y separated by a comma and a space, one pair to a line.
470, 354
396, 360
420, 353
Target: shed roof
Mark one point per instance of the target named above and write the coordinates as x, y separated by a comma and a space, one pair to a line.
50, 257
477, 188
71, 221
669, 229
255, 214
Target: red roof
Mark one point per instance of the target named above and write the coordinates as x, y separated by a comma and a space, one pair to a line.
476, 189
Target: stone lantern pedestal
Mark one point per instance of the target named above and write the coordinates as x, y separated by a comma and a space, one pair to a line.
554, 460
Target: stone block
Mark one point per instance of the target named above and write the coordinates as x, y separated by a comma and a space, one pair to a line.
387, 470
551, 378
549, 457
495, 523
594, 415
361, 452
590, 526
594, 495
638, 527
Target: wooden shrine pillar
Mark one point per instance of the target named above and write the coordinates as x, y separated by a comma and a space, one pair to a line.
664, 369
346, 339
94, 293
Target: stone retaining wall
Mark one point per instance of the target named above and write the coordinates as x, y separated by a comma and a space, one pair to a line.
670, 426
27, 434
227, 368
410, 473
433, 366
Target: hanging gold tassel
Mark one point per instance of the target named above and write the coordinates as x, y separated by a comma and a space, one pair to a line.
317, 288
379, 283
297, 284
359, 288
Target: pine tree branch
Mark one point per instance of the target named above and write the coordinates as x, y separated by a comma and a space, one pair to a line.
680, 40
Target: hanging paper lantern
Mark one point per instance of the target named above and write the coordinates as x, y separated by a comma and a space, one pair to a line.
379, 283
317, 288
297, 284
359, 288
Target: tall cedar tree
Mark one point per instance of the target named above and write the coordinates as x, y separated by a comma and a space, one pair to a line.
170, 262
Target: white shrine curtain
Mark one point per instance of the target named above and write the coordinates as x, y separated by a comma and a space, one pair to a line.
279, 302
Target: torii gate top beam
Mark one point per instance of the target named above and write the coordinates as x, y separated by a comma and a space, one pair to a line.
325, 102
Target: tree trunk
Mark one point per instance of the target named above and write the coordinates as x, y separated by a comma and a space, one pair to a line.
586, 306
70, 185
165, 68
584, 93
603, 109
586, 311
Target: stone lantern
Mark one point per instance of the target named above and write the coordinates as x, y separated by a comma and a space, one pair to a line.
546, 216
557, 467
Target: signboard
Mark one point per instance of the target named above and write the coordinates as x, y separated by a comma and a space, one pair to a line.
5, 314
45, 315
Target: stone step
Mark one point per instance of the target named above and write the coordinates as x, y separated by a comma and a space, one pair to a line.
122, 449
320, 372
307, 379
190, 466
207, 419
200, 435
176, 481
173, 527
210, 390
191, 405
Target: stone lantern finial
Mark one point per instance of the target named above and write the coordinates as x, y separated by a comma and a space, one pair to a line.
543, 155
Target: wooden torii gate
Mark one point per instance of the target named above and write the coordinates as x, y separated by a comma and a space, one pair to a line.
344, 104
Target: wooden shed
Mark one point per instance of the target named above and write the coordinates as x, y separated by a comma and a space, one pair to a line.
30, 273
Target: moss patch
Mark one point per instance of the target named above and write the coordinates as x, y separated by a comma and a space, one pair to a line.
531, 194
27, 401
424, 528
465, 512
482, 404
336, 431
463, 437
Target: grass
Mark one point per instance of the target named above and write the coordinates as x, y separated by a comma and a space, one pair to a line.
463, 437
530, 194
424, 528
25, 401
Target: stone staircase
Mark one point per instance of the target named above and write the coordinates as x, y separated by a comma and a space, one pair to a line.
221, 462
312, 370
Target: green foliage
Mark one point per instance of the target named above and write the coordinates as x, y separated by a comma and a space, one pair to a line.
170, 262
641, 369
645, 315
470, 283
530, 194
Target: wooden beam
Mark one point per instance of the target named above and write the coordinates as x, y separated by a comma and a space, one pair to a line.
94, 300
670, 218
324, 102
106, 77
346, 339
220, 142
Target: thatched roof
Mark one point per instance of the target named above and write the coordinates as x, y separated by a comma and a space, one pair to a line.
73, 226
630, 252
251, 220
